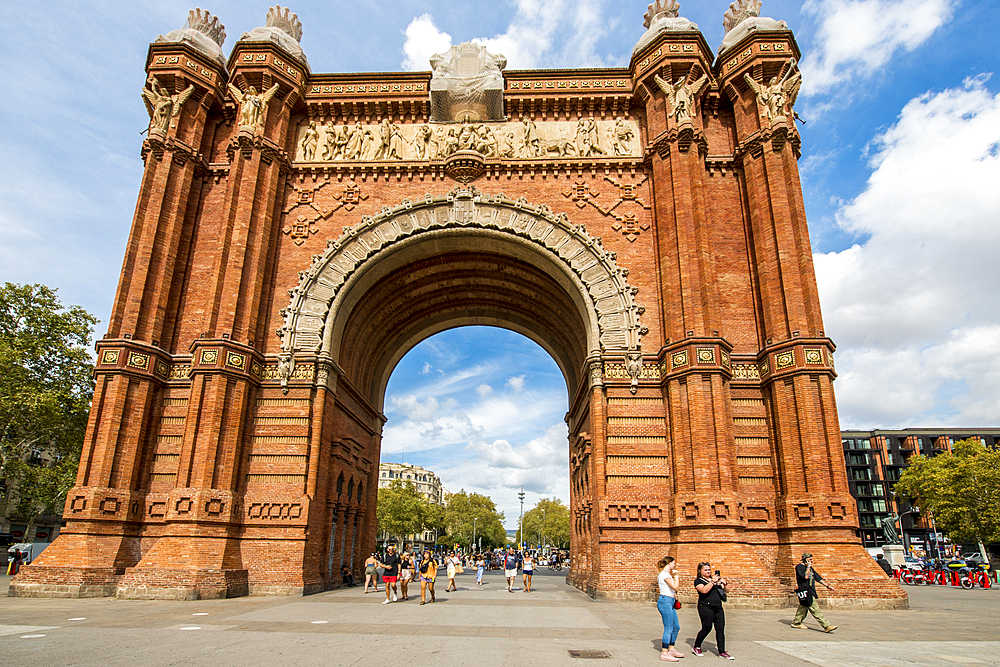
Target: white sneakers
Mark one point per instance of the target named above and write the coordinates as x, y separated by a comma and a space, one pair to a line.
385, 601
394, 598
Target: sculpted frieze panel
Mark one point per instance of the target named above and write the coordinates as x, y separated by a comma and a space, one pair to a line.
388, 141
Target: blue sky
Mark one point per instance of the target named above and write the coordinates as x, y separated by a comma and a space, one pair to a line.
900, 169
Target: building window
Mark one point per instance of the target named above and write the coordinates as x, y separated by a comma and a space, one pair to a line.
858, 459
860, 473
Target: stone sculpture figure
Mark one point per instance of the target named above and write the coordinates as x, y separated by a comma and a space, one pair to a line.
422, 141
682, 96
466, 135
777, 98
593, 137
530, 145
309, 142
507, 144
329, 144
252, 104
354, 148
889, 528
621, 137
384, 139
161, 105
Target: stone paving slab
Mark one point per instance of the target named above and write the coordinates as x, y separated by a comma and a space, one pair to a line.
892, 654
473, 626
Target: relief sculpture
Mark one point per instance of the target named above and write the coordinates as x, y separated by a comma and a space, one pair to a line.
516, 140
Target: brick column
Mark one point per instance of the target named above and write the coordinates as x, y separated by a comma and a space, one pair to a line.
105, 509
199, 553
814, 508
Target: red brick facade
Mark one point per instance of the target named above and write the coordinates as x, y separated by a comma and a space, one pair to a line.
222, 459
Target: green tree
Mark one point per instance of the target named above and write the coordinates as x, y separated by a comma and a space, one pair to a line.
469, 514
961, 489
547, 523
45, 391
401, 510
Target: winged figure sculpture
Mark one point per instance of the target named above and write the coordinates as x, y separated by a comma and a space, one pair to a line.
161, 105
252, 104
682, 95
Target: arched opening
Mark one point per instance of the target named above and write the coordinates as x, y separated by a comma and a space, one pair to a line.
482, 410
445, 262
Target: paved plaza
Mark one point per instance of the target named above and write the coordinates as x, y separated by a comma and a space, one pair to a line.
553, 625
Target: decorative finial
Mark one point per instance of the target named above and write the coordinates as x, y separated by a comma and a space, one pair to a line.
202, 21
740, 11
660, 9
283, 18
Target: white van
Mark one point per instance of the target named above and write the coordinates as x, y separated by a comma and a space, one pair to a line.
30, 549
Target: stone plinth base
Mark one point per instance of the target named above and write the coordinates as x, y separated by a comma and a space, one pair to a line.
895, 554
161, 584
40, 581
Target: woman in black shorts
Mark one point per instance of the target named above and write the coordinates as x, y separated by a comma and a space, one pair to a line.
711, 594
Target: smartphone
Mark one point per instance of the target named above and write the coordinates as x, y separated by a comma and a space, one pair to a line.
717, 573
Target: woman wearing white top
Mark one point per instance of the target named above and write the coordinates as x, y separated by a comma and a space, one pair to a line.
452, 562
668, 581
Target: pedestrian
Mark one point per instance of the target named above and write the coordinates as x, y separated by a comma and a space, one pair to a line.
346, 577
510, 568
371, 573
669, 581
428, 572
451, 562
480, 566
711, 594
884, 564
405, 574
806, 578
527, 569
390, 574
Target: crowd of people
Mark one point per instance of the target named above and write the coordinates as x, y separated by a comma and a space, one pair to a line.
399, 570
712, 590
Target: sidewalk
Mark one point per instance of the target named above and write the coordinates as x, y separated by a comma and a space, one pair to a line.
481, 625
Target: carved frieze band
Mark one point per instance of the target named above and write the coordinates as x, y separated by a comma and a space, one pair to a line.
617, 313
389, 141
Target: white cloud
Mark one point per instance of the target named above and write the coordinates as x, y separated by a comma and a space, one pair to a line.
423, 39
542, 33
411, 406
484, 390
856, 38
426, 370
916, 309
516, 382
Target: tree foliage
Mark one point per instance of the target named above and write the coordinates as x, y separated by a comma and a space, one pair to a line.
402, 511
547, 523
469, 513
961, 489
45, 392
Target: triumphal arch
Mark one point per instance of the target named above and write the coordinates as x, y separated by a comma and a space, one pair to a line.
297, 233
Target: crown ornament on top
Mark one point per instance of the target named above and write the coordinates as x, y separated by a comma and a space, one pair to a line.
203, 21
660, 9
283, 19
740, 11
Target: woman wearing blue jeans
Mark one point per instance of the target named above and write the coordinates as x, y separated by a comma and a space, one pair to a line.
668, 581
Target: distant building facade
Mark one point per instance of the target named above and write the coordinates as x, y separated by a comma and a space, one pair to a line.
875, 460
428, 485
17, 528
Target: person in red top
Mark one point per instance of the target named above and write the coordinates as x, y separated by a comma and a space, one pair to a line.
390, 563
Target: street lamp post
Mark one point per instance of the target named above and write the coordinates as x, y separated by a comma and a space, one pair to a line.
543, 529
520, 527
474, 520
